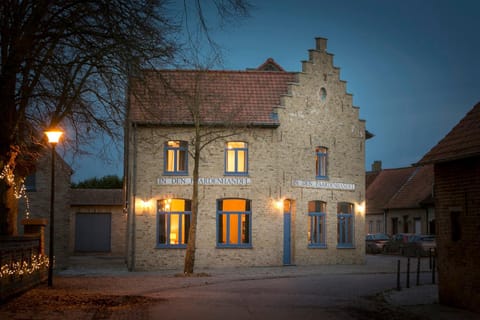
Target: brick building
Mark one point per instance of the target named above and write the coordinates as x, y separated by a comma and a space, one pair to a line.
456, 160
282, 178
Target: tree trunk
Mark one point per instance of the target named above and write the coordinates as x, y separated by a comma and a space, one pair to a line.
190, 253
8, 209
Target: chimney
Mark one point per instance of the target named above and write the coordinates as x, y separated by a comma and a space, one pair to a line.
377, 166
321, 44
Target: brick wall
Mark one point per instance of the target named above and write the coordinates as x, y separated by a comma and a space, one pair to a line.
39, 200
457, 196
277, 156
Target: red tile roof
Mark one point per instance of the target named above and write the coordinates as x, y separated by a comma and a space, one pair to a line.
223, 97
417, 189
384, 187
461, 142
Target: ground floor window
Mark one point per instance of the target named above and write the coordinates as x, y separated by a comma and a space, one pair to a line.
317, 212
234, 223
173, 222
345, 225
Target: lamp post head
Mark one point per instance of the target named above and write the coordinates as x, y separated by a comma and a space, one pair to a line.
53, 135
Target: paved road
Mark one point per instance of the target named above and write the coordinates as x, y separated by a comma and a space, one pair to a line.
347, 296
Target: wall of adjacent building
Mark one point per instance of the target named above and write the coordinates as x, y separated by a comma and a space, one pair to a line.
457, 199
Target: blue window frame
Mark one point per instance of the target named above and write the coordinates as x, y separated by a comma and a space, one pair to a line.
234, 223
317, 215
173, 222
236, 158
345, 228
321, 162
176, 158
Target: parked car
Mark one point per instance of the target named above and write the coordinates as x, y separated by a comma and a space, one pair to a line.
411, 245
397, 242
422, 245
375, 242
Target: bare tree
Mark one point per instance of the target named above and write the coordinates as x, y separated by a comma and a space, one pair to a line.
66, 63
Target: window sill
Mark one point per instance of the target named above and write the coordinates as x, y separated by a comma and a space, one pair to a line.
234, 247
317, 246
236, 174
175, 173
321, 177
346, 246
178, 246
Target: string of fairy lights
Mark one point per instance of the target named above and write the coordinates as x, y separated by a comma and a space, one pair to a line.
24, 267
34, 262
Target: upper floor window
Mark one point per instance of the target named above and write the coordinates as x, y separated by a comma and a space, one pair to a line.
321, 162
317, 213
345, 227
173, 222
234, 223
236, 158
176, 159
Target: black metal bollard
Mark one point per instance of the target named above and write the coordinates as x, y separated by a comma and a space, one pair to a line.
398, 276
433, 271
418, 271
408, 272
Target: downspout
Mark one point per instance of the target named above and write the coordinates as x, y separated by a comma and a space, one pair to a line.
385, 221
134, 195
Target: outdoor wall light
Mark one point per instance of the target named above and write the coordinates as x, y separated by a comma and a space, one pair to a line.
279, 204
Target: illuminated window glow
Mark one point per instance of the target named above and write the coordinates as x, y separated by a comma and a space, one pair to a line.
233, 223
236, 158
173, 220
176, 159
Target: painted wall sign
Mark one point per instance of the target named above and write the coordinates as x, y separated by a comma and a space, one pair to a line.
204, 181
323, 185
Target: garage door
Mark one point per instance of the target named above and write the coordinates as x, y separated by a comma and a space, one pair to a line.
92, 232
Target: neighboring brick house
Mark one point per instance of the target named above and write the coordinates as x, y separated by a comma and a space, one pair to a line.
456, 161
400, 201
87, 221
292, 138
38, 189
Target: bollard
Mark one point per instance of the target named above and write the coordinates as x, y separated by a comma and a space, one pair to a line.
408, 272
433, 271
418, 271
398, 276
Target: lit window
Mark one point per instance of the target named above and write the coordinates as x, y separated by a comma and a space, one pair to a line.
321, 162
345, 225
173, 220
317, 213
176, 157
236, 158
233, 223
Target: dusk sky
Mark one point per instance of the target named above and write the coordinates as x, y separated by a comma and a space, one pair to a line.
412, 66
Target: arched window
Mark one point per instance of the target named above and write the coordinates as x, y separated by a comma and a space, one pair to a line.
173, 222
234, 223
317, 211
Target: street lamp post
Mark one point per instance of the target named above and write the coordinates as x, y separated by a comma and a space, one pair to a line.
53, 138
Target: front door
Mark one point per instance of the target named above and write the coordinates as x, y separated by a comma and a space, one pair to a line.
287, 242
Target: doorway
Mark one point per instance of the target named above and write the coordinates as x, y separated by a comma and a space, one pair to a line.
287, 232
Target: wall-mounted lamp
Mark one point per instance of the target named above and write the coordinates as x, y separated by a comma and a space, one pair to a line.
278, 204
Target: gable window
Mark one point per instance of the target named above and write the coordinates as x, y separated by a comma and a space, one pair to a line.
173, 222
345, 226
233, 223
176, 157
321, 162
317, 213
236, 158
